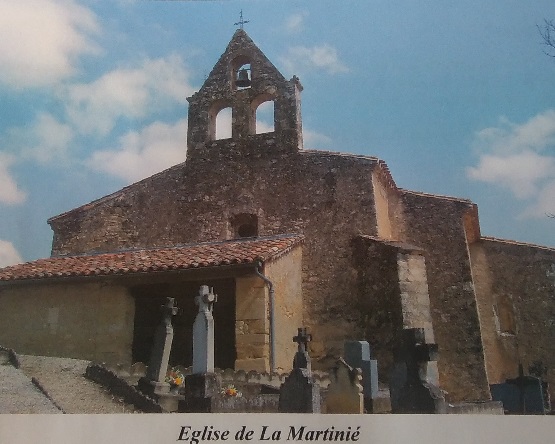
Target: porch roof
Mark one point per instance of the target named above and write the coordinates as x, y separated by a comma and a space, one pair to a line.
201, 255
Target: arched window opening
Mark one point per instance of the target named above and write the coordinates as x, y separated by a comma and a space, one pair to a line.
505, 316
244, 225
223, 124
265, 117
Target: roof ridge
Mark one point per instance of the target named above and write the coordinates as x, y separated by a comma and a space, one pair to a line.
515, 242
439, 196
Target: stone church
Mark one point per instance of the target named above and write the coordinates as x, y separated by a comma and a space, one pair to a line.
287, 237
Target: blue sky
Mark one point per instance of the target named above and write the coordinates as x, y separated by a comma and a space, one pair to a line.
457, 98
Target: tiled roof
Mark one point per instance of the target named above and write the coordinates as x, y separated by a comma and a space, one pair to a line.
202, 255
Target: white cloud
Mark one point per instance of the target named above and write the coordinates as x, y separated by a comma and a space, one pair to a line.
8, 254
520, 158
127, 92
295, 22
40, 40
45, 140
10, 193
314, 140
537, 134
323, 57
143, 153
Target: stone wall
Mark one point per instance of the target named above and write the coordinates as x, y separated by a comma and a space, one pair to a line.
252, 326
74, 320
393, 296
286, 275
516, 295
437, 225
325, 196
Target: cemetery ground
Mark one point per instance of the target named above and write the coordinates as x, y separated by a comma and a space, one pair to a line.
65, 389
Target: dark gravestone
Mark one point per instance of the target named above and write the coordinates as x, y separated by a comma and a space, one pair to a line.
521, 395
357, 355
299, 393
417, 395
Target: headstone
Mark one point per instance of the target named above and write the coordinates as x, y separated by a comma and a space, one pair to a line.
345, 390
203, 385
522, 395
203, 332
160, 354
154, 383
417, 395
357, 355
299, 393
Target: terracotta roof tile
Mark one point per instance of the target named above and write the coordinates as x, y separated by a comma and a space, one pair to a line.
213, 254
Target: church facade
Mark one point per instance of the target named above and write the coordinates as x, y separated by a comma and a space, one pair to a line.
287, 237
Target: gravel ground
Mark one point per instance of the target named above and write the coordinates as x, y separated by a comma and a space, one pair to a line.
19, 395
63, 379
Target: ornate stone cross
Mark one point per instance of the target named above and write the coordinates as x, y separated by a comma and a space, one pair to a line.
168, 311
203, 332
302, 359
161, 349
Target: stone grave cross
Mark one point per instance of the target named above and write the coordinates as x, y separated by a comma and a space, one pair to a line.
418, 395
163, 337
302, 359
203, 332
417, 353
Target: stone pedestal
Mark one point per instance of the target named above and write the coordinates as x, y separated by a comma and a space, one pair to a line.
200, 390
299, 393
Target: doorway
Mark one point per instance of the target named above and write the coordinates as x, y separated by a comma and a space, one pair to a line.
148, 301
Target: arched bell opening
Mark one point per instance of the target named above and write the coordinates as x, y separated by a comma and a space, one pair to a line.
241, 73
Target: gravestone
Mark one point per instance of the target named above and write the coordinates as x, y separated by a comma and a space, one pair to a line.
345, 390
154, 381
203, 332
522, 395
299, 393
203, 384
357, 355
417, 395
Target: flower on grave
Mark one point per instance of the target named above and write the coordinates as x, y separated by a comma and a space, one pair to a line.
175, 377
231, 391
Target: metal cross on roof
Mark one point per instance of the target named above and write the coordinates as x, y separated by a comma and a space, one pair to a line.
241, 22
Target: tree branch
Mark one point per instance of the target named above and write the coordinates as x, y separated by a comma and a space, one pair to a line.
547, 32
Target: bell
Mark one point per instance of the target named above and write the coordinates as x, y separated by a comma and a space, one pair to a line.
243, 80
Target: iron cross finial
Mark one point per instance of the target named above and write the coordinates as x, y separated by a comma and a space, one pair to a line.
241, 22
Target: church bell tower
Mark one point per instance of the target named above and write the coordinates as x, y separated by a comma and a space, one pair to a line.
243, 79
